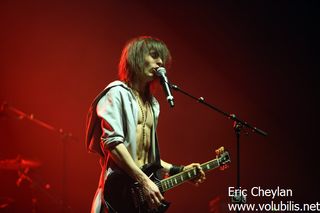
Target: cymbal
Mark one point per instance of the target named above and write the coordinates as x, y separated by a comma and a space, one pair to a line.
18, 163
5, 201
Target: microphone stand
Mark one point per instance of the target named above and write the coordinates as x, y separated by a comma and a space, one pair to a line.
5, 108
238, 124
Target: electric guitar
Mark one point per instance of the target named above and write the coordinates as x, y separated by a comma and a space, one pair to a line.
123, 195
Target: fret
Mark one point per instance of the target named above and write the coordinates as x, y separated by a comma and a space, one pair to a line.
208, 166
177, 179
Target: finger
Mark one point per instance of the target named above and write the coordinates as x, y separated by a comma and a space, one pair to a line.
159, 196
201, 177
199, 180
151, 203
196, 164
157, 202
198, 167
201, 171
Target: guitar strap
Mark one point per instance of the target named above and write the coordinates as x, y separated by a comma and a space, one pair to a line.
158, 160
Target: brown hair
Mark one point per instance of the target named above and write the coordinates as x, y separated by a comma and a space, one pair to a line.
132, 57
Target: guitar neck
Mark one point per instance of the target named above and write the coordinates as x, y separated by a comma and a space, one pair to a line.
184, 176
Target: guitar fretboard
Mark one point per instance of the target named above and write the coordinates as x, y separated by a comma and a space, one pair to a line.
178, 179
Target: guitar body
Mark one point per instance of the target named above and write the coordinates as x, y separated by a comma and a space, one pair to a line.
123, 194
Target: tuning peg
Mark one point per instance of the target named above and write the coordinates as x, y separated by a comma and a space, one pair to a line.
219, 151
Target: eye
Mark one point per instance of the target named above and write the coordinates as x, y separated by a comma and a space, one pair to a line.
154, 54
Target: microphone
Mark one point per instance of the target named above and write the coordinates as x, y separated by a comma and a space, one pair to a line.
161, 73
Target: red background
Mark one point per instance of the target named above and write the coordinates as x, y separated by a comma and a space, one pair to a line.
256, 60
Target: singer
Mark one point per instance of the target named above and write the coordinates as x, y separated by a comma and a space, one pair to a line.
121, 128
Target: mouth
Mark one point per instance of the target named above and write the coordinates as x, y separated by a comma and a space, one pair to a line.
154, 70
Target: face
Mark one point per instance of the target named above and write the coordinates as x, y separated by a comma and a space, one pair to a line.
152, 62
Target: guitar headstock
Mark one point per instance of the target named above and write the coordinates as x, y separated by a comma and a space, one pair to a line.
223, 158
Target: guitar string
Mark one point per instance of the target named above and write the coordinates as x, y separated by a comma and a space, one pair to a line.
160, 186
174, 178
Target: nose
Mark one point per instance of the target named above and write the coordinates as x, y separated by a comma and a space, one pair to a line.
159, 62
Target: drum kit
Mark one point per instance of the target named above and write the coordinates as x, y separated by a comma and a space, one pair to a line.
24, 167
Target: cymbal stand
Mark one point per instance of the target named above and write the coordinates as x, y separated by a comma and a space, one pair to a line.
23, 175
66, 136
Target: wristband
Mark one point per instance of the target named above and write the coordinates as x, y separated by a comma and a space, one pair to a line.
175, 169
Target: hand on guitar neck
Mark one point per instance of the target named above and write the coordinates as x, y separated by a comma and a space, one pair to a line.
201, 175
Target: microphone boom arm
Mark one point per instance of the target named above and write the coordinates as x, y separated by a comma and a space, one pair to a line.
228, 115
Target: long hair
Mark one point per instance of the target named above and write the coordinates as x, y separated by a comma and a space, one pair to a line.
132, 58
